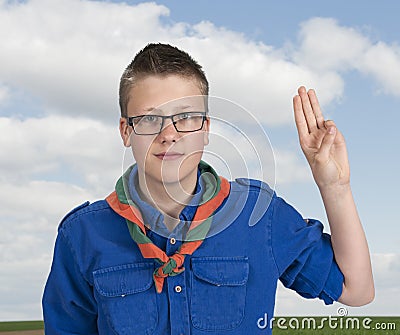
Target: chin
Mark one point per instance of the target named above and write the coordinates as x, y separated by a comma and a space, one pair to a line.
171, 172
173, 177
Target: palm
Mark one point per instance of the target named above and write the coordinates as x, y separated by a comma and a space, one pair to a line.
325, 152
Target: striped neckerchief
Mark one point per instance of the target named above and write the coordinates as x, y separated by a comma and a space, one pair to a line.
216, 190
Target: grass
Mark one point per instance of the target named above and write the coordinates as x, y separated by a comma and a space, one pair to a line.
294, 325
20, 325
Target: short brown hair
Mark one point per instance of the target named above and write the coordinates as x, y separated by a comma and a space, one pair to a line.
159, 59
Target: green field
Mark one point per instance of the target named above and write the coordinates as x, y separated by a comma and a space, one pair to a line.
291, 325
20, 325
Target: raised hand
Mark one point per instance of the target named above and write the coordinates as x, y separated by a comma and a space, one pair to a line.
322, 143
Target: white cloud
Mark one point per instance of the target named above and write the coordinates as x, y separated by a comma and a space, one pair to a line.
259, 77
62, 148
74, 68
4, 94
78, 65
44, 203
386, 270
383, 62
290, 168
21, 284
29, 217
325, 46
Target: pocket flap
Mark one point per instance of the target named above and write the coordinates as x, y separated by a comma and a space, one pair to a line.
124, 279
221, 271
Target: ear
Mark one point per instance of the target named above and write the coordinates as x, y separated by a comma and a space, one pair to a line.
206, 130
125, 130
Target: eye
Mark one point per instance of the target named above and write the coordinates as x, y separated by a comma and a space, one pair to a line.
183, 116
149, 118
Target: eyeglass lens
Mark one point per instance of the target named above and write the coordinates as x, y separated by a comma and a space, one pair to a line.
183, 122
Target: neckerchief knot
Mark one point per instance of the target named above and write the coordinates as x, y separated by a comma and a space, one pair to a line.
172, 267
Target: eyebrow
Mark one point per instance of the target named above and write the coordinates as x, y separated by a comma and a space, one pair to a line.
183, 107
179, 108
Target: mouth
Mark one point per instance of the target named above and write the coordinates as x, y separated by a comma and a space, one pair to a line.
169, 156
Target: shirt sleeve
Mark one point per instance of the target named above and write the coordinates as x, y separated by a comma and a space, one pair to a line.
304, 255
68, 303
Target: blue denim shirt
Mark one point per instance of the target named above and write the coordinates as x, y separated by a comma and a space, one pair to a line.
99, 282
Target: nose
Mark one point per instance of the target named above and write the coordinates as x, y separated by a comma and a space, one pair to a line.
168, 132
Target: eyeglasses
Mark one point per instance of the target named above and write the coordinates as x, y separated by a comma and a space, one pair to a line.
153, 124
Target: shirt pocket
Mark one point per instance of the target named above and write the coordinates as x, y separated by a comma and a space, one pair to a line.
218, 295
127, 297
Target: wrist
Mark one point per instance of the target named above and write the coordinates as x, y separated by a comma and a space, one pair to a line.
335, 190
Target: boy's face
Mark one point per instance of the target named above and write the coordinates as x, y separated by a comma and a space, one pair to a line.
169, 156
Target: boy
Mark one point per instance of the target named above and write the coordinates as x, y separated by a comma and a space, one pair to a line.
148, 260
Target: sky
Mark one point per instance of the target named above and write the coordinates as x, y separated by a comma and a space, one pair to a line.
60, 64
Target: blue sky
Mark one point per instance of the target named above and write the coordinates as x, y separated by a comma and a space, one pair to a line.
59, 112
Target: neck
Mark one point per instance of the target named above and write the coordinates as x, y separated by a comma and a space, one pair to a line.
171, 198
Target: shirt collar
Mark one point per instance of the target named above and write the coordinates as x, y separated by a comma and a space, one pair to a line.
153, 218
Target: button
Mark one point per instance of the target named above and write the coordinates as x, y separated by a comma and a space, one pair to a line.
178, 289
172, 240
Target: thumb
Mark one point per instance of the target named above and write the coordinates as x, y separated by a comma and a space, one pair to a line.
327, 143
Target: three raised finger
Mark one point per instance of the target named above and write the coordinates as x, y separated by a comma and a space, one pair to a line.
311, 109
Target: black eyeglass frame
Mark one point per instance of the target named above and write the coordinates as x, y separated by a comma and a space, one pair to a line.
131, 119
